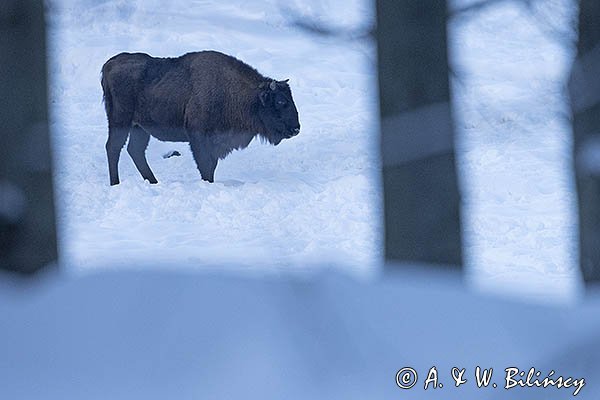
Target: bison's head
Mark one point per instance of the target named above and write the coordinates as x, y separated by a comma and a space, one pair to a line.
277, 111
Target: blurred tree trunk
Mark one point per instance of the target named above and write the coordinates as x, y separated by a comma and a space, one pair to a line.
584, 87
421, 196
27, 229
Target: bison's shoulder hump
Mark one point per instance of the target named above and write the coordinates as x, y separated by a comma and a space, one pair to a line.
220, 61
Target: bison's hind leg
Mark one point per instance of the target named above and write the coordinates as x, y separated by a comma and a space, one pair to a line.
138, 142
205, 160
117, 136
207, 165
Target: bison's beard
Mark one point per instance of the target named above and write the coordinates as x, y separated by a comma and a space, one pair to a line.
275, 137
271, 139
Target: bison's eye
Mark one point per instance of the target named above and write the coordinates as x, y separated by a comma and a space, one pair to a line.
281, 103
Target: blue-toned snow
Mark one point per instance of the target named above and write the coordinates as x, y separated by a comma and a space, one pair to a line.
315, 200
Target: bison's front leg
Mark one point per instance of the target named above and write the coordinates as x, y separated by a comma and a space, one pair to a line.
205, 160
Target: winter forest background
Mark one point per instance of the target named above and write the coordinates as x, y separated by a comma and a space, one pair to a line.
315, 201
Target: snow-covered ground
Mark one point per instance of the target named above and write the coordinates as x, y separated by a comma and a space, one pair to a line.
310, 200
315, 199
514, 141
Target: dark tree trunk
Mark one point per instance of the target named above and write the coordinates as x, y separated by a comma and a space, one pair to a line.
584, 89
27, 230
421, 196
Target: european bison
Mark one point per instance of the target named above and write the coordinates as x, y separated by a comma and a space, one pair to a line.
214, 101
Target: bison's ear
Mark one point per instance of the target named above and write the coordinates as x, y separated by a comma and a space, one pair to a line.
264, 97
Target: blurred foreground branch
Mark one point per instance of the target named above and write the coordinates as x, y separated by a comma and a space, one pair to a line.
312, 25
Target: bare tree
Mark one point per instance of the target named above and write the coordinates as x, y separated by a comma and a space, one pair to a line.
584, 87
421, 195
27, 229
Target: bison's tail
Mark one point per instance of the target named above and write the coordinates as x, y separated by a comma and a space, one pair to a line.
107, 98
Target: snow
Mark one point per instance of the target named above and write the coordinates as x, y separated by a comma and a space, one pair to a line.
515, 146
312, 199
172, 329
315, 200
151, 334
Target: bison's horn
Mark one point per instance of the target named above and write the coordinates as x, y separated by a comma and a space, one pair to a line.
273, 85
284, 81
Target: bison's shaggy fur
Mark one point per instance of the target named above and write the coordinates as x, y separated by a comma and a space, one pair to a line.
214, 101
